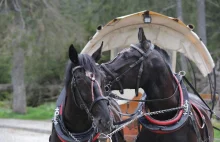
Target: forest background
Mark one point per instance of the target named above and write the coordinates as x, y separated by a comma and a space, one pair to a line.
35, 36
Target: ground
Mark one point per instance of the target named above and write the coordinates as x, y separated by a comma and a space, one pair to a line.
18, 135
15, 130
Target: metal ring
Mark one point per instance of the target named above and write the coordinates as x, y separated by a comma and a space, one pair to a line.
107, 88
182, 73
117, 79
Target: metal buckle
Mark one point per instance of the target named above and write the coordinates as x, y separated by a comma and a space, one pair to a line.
186, 107
108, 87
93, 124
117, 78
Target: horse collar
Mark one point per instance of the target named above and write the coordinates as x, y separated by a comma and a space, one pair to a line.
171, 125
62, 132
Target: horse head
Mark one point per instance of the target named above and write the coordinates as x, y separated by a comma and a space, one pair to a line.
132, 67
86, 82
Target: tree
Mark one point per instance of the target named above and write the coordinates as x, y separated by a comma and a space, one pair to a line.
180, 16
19, 93
201, 21
38, 33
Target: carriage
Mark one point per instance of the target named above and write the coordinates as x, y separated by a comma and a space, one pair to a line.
169, 33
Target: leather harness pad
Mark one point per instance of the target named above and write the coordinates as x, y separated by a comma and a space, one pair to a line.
60, 128
169, 128
199, 116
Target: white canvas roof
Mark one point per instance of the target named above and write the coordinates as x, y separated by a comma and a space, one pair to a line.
166, 32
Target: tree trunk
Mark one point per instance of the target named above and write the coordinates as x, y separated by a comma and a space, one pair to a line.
201, 21
19, 92
183, 62
179, 9
19, 95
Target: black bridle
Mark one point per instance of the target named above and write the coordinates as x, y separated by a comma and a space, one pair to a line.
92, 133
81, 104
139, 61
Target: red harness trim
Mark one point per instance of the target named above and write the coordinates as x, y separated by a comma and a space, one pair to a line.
96, 137
174, 120
62, 140
61, 109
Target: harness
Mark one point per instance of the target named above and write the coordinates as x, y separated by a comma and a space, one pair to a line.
184, 110
64, 135
175, 123
58, 123
118, 78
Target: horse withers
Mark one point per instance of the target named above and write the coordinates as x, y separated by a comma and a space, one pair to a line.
82, 110
170, 114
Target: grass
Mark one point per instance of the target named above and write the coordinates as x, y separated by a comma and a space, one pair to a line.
216, 132
42, 112
217, 135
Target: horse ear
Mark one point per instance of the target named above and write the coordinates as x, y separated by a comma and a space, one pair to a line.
97, 54
73, 55
141, 36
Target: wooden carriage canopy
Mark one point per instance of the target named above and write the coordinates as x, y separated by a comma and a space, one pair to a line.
166, 32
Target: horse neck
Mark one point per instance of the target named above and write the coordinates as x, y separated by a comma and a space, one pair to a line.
161, 85
75, 119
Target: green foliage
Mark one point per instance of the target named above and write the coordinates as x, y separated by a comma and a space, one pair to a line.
213, 28
5, 77
5, 95
49, 29
216, 132
42, 112
99, 12
52, 25
5, 69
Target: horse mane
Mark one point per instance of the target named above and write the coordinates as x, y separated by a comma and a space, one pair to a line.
87, 63
164, 54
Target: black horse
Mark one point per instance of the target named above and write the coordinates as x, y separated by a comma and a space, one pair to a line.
147, 66
83, 111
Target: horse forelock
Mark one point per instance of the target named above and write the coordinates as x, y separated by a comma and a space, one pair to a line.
87, 63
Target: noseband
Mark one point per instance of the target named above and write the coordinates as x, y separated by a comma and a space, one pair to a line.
81, 102
118, 78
